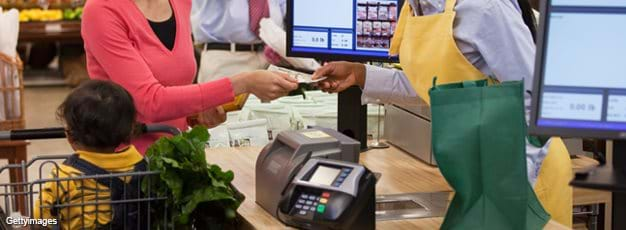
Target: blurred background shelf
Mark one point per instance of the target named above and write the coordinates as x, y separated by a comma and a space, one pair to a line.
48, 31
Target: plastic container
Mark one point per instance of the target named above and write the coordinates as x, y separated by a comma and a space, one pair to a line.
393, 12
376, 28
383, 11
372, 10
361, 11
372, 120
385, 28
326, 119
248, 133
279, 117
367, 28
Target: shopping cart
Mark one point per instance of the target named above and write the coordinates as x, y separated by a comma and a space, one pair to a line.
19, 199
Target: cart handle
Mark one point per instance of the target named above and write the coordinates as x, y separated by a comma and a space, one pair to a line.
33, 134
59, 132
159, 128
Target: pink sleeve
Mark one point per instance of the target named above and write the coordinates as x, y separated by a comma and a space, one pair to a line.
106, 38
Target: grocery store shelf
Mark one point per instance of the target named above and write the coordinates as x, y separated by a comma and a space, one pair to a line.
62, 31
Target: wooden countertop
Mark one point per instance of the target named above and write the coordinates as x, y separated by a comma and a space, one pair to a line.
400, 174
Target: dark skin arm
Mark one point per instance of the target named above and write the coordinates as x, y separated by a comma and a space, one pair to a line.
341, 75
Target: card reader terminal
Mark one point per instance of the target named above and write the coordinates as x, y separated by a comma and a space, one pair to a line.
329, 194
280, 161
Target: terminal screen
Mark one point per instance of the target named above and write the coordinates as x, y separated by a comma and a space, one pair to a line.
344, 27
324, 175
584, 68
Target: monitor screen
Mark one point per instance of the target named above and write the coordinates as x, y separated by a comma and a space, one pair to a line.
324, 175
357, 30
580, 85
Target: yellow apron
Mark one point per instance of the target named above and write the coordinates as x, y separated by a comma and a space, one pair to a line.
430, 50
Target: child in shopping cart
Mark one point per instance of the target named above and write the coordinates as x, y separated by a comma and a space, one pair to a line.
99, 117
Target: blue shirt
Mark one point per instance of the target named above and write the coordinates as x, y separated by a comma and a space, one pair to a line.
228, 21
492, 36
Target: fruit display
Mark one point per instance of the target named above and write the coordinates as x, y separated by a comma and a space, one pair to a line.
73, 14
52, 4
46, 10
29, 15
40, 15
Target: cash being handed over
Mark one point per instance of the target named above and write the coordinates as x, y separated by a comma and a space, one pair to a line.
303, 78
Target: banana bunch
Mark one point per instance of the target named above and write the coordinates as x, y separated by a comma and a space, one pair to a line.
40, 15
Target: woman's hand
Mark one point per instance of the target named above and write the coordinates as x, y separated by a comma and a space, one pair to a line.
340, 76
266, 85
210, 118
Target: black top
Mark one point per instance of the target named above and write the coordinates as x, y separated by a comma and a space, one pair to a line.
166, 31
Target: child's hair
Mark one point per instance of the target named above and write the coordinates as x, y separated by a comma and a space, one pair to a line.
98, 114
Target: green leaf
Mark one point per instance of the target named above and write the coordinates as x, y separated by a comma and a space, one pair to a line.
174, 183
172, 162
199, 133
204, 195
186, 178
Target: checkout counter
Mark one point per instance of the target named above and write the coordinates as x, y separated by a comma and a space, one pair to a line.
401, 174
408, 128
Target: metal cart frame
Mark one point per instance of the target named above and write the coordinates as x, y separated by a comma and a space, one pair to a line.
27, 193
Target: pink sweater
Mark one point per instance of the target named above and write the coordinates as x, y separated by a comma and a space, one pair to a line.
121, 47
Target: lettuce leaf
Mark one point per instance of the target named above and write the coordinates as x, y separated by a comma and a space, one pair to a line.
187, 179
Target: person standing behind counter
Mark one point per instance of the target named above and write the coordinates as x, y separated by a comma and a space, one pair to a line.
463, 40
228, 32
146, 47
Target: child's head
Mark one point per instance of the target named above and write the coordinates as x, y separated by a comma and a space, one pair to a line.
98, 116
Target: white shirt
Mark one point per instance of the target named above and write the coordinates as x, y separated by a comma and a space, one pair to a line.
226, 21
492, 36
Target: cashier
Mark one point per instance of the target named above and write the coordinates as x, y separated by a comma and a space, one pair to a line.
146, 47
454, 39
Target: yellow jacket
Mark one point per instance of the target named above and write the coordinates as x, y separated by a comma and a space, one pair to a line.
77, 192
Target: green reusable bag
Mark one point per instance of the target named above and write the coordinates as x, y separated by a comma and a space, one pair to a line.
478, 139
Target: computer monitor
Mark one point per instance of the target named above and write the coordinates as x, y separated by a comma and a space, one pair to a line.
352, 30
580, 71
580, 85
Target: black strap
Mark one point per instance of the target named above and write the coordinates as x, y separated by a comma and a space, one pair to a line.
90, 169
238, 47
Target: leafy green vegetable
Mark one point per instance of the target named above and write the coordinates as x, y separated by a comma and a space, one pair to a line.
189, 181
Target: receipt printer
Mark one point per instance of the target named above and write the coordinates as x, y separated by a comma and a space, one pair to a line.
329, 194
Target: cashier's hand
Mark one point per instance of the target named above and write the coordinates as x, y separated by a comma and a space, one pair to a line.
269, 85
340, 76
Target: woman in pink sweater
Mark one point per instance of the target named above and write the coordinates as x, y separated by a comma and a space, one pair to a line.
146, 47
